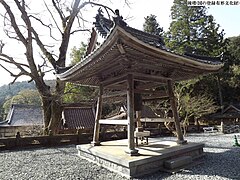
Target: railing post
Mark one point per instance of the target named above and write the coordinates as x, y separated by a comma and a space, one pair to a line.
18, 139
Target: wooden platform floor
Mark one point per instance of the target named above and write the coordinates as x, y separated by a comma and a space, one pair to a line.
152, 157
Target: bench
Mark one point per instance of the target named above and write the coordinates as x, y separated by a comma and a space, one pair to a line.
141, 135
209, 130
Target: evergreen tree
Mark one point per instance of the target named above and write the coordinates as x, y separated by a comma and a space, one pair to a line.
26, 96
230, 77
234, 50
78, 53
151, 25
193, 31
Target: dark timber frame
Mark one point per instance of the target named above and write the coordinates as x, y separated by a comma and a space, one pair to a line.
130, 112
131, 62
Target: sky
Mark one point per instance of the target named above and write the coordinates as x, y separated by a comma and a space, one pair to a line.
226, 16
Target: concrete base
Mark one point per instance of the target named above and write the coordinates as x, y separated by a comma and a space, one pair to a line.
157, 155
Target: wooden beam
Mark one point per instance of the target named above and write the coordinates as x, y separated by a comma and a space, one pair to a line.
156, 120
114, 121
150, 77
150, 85
153, 92
150, 98
114, 80
121, 49
115, 94
121, 86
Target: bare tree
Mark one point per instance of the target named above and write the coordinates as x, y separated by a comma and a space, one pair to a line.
64, 19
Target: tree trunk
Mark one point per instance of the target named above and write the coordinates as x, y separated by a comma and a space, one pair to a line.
220, 93
46, 104
52, 108
56, 116
52, 111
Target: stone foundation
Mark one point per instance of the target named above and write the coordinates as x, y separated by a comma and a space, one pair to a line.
152, 157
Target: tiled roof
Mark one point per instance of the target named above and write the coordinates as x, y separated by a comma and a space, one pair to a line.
146, 55
102, 24
78, 117
230, 112
24, 115
145, 37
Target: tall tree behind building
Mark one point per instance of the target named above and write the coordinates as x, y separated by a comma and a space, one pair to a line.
193, 31
189, 105
151, 25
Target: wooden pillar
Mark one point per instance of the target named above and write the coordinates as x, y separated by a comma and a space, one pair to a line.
138, 108
96, 141
222, 126
138, 119
175, 113
130, 116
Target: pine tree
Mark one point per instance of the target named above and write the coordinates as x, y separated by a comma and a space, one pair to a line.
151, 25
193, 31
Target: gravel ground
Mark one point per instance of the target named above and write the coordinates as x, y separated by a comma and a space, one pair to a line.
222, 161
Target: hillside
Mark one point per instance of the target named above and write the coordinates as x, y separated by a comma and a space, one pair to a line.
11, 90
7, 91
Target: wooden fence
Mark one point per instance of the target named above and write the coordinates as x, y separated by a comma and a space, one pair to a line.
19, 142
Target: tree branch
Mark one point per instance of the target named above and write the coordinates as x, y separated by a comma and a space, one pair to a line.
10, 60
13, 22
48, 26
43, 49
2, 44
60, 13
52, 17
67, 31
105, 7
80, 30
28, 45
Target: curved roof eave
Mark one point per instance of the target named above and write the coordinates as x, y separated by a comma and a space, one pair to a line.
107, 43
121, 33
176, 58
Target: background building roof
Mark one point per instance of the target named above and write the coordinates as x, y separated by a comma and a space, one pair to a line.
23, 115
78, 118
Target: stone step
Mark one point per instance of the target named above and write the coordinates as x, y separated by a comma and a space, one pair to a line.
177, 163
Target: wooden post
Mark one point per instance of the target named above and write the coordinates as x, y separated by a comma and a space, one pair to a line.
130, 116
96, 141
175, 113
138, 108
138, 119
222, 126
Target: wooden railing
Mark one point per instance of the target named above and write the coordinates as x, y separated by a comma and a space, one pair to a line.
57, 140
232, 129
